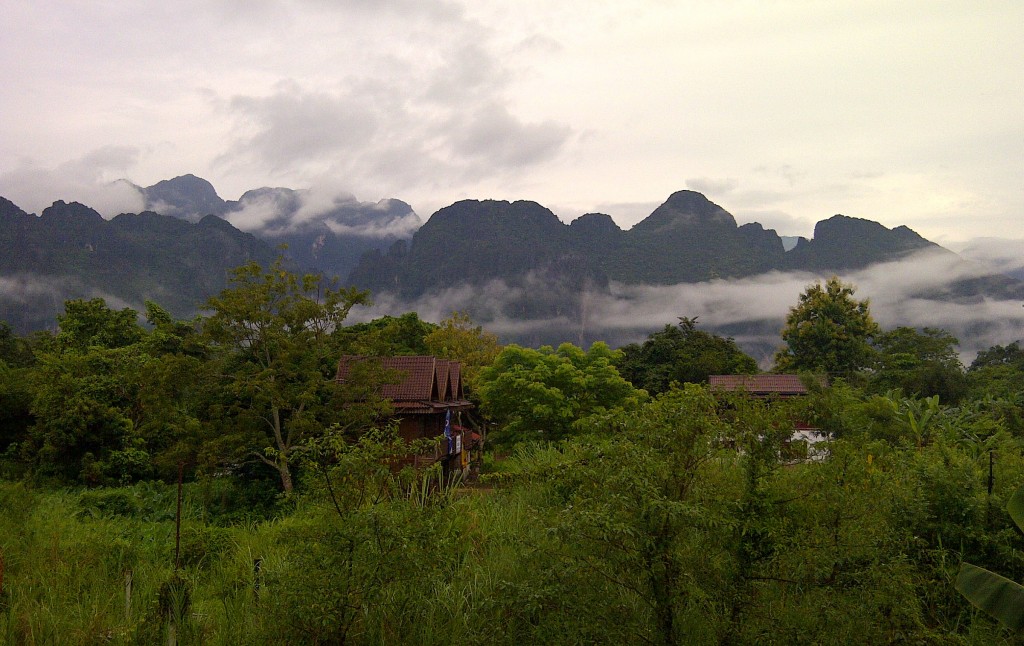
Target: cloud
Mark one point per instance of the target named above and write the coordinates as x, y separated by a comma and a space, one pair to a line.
372, 135
296, 127
418, 102
467, 73
373, 138
256, 213
94, 180
1003, 255
752, 310
712, 187
279, 211
493, 136
791, 174
32, 301
402, 226
27, 288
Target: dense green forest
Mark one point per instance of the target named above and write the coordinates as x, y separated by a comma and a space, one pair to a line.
207, 481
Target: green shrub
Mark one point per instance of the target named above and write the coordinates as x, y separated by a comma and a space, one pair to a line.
201, 544
108, 503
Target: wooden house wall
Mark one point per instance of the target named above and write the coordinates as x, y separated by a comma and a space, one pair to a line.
418, 426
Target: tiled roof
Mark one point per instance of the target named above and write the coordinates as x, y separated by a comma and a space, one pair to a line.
455, 372
419, 379
441, 372
760, 384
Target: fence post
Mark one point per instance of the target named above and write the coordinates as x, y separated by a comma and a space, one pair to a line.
128, 594
257, 575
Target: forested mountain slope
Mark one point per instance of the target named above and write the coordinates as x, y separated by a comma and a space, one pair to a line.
70, 251
687, 239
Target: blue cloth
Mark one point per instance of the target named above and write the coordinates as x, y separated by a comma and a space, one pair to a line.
448, 428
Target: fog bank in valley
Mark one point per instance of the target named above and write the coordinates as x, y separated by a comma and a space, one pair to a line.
919, 291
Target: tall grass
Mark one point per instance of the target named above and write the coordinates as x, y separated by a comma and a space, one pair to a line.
88, 567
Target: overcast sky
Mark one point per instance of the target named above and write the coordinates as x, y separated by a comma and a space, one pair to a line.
782, 112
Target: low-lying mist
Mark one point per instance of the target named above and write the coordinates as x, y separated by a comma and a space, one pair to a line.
925, 290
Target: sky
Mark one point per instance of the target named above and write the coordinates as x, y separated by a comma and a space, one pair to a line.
783, 113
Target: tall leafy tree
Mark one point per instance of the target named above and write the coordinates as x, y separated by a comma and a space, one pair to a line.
682, 354
1000, 355
86, 409
15, 351
111, 400
828, 330
93, 323
15, 406
921, 363
15, 396
998, 372
85, 394
388, 336
456, 338
542, 394
277, 333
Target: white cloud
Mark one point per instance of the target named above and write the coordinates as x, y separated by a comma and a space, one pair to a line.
1000, 254
493, 136
751, 309
275, 212
402, 227
26, 299
295, 128
91, 180
27, 288
712, 186
256, 214
900, 113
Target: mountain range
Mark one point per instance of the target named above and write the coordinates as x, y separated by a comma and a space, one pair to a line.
687, 239
178, 252
70, 251
328, 234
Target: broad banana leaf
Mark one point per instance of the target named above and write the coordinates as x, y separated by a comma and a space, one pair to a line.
1016, 507
996, 595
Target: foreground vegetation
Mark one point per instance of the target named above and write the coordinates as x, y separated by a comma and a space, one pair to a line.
687, 521
610, 513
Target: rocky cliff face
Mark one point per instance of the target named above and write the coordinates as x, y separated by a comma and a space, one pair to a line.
843, 243
187, 197
686, 239
689, 239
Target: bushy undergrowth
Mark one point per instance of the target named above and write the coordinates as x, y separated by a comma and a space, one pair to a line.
678, 523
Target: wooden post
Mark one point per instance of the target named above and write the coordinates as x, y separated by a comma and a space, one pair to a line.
991, 476
177, 521
257, 576
991, 483
128, 594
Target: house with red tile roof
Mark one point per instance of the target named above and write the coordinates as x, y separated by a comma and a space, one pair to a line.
768, 386
427, 396
759, 385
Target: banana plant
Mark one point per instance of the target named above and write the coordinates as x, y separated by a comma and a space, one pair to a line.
998, 596
920, 415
